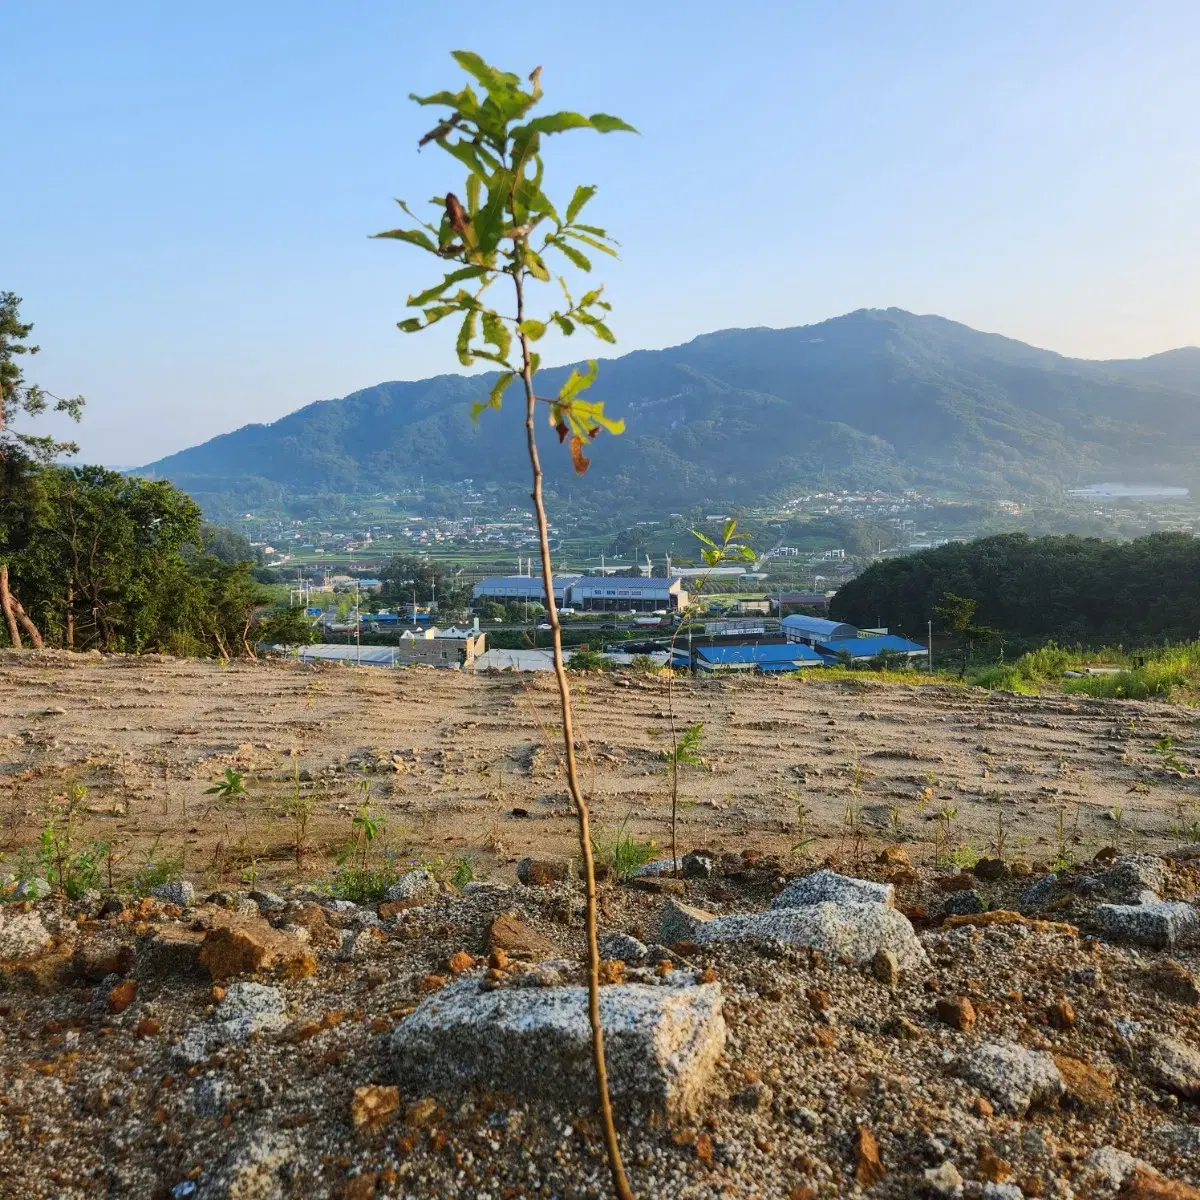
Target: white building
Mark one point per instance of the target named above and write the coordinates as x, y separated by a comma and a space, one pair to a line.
506, 588
597, 593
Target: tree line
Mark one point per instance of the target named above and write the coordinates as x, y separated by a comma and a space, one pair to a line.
92, 559
1068, 589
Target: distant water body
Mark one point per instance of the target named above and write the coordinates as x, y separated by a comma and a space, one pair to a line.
1129, 491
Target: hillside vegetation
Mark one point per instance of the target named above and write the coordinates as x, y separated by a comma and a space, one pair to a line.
877, 398
1066, 588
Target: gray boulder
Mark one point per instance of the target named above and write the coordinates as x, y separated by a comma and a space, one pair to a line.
622, 946
661, 1044
858, 931
697, 865
680, 921
32, 889
1041, 894
1013, 1078
249, 1008
943, 1180
658, 866
1163, 924
418, 884
1132, 874
260, 1169
828, 886
177, 891
1108, 1167
1172, 1064
21, 933
961, 904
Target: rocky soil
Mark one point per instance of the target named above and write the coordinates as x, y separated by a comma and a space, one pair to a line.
877, 1029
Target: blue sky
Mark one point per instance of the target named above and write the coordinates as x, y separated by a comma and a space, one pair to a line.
189, 188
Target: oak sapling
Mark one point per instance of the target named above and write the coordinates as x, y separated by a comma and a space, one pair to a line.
504, 229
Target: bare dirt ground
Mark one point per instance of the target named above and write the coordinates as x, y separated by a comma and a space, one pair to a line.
448, 758
1005, 1040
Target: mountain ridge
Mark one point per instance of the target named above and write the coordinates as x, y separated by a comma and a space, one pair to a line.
877, 398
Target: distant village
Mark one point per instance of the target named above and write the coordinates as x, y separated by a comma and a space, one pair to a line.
742, 635
625, 593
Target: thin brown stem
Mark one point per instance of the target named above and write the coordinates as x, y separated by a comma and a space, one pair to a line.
604, 1101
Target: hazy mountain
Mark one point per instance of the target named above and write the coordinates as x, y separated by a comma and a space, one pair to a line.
876, 398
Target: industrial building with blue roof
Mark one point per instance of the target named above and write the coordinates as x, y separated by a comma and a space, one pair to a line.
860, 648
753, 656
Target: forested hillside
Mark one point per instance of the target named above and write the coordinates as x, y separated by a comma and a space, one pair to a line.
876, 398
1069, 589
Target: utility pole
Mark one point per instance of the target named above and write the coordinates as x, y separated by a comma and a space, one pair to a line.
931, 645
357, 627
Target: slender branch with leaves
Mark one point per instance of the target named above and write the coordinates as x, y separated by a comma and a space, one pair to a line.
731, 548
505, 230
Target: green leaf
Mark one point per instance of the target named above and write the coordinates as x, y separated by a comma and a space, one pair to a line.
602, 331
582, 196
413, 236
436, 312
535, 265
474, 184
533, 330
577, 382
496, 332
490, 78
496, 396
490, 223
587, 239
438, 288
603, 123
580, 260
529, 196
706, 540
565, 324
558, 122
466, 333
424, 224
467, 155
595, 230
410, 325
448, 99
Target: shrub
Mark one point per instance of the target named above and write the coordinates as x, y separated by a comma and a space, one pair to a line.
167, 869
588, 660
362, 885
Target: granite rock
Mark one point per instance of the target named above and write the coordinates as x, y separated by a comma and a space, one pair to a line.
1013, 1078
858, 931
661, 1042
828, 886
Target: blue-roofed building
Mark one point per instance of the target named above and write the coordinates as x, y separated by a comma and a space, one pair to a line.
812, 630
764, 657
862, 648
